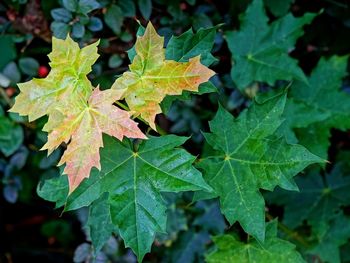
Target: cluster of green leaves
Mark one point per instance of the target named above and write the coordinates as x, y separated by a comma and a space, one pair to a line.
249, 148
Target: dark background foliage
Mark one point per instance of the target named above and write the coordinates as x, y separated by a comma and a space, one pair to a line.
30, 228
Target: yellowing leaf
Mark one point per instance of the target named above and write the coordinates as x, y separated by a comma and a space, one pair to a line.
84, 130
151, 77
65, 87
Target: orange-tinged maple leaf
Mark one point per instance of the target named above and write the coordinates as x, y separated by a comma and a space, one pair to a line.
83, 131
64, 87
151, 77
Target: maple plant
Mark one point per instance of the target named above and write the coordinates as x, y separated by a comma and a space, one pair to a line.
119, 162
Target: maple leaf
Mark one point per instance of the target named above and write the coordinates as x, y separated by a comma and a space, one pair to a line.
274, 250
320, 197
151, 77
65, 87
134, 181
260, 51
308, 110
332, 239
249, 156
84, 131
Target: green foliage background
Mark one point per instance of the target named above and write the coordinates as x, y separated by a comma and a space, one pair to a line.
258, 50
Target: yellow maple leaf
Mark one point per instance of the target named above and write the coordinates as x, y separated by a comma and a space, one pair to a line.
151, 77
64, 87
83, 131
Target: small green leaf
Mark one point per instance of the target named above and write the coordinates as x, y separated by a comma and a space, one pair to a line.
61, 15
128, 8
115, 61
145, 7
60, 29
11, 71
71, 5
114, 18
29, 66
95, 24
11, 136
86, 6
78, 30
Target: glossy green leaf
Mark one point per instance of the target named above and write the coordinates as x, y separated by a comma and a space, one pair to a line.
134, 181
249, 156
260, 50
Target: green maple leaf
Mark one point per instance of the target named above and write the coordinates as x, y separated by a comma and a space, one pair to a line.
100, 215
329, 243
249, 156
230, 249
260, 50
134, 181
319, 198
310, 110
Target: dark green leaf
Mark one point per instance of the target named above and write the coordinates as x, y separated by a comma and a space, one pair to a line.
78, 30
260, 51
100, 222
8, 50
11, 136
60, 29
278, 7
249, 157
115, 61
61, 15
145, 7
29, 66
273, 250
128, 8
95, 24
86, 6
114, 18
71, 5
134, 180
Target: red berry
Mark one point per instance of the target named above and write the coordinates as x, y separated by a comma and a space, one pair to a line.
10, 91
43, 71
183, 6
